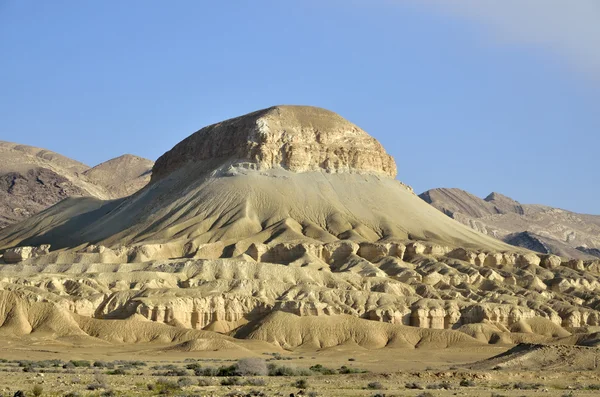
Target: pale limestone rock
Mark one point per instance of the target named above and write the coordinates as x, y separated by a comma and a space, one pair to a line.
493, 260
210, 250
436, 249
415, 248
509, 259
550, 261
337, 252
527, 260
296, 138
19, 254
480, 259
463, 255
575, 264
374, 252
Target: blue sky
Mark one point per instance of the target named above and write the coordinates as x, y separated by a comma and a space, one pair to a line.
498, 96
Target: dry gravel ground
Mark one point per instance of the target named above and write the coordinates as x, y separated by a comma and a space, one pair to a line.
391, 372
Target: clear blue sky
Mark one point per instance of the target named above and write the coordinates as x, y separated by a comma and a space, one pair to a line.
480, 99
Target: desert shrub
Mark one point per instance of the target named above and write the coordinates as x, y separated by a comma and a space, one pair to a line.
165, 386
209, 371
99, 382
37, 390
253, 366
593, 387
323, 370
301, 384
498, 395
108, 393
230, 370
284, 370
278, 356
312, 394
81, 363
205, 382
184, 382
442, 385
527, 386
375, 386
165, 367
347, 370
196, 367
426, 394
232, 381
130, 363
73, 394
467, 383
256, 382
103, 364
414, 386
569, 394
171, 372
118, 371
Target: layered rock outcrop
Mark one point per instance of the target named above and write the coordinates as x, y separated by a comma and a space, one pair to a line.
295, 138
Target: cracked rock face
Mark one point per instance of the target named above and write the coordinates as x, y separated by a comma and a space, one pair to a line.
295, 138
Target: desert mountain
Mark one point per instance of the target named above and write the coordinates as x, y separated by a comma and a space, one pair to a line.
277, 175
536, 227
33, 179
286, 226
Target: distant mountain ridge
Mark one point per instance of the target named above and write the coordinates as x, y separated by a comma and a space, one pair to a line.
536, 227
33, 179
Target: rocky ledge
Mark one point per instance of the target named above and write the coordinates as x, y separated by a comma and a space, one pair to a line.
295, 138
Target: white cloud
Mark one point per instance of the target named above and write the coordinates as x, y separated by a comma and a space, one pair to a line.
568, 28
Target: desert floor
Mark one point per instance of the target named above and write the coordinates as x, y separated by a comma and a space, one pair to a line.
151, 369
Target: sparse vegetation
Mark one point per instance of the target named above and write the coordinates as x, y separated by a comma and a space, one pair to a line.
256, 382
527, 386
252, 367
442, 385
413, 386
232, 381
37, 391
375, 386
467, 383
301, 384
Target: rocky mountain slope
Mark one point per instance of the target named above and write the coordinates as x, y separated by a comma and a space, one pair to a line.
286, 226
33, 179
535, 227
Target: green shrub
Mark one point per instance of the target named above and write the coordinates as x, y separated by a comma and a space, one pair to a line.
227, 371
